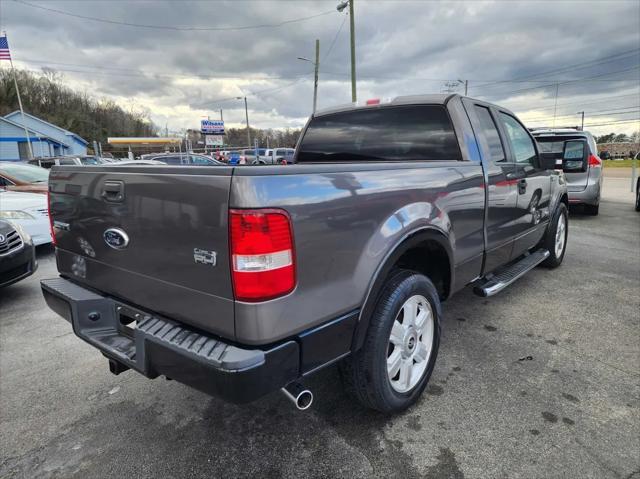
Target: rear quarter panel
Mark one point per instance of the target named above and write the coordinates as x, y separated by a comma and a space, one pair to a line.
346, 219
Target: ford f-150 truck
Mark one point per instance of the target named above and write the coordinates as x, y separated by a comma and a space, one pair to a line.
240, 281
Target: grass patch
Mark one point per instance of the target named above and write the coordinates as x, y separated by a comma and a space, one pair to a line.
628, 163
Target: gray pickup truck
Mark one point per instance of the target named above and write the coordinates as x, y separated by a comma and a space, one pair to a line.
243, 281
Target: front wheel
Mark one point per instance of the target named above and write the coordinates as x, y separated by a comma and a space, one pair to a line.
393, 366
555, 239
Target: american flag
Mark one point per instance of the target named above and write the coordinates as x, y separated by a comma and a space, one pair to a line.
4, 49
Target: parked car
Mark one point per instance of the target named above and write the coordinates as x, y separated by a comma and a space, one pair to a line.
273, 156
48, 162
244, 281
29, 211
183, 159
584, 172
17, 254
23, 177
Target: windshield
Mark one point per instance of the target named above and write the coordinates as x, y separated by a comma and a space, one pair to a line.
26, 173
91, 160
402, 133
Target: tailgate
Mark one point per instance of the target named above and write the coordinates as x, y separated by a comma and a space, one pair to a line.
155, 236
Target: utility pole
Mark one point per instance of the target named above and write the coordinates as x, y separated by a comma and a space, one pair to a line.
341, 6
353, 52
221, 119
315, 78
246, 112
582, 124
466, 87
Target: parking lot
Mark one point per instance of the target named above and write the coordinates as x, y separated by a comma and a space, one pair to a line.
541, 380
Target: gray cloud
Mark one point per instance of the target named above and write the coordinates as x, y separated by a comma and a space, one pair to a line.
403, 47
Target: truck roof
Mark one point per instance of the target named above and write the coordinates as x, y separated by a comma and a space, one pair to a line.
437, 99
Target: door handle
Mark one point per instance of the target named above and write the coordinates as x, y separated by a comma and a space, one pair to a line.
522, 186
113, 191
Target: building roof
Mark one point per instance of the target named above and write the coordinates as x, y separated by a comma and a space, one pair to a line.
32, 133
66, 132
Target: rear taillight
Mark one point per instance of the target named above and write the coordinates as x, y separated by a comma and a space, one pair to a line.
262, 255
51, 230
594, 161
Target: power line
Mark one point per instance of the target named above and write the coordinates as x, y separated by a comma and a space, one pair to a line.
130, 72
590, 113
582, 103
576, 66
634, 112
613, 123
334, 39
579, 80
175, 28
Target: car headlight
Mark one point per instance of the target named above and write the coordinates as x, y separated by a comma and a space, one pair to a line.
15, 215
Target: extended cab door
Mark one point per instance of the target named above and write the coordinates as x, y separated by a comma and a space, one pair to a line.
533, 184
502, 214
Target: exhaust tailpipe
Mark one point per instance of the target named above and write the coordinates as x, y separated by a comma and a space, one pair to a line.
298, 395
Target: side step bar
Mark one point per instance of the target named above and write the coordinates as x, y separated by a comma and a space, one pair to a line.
503, 277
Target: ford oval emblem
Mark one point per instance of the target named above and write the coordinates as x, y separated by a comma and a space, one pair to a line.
116, 238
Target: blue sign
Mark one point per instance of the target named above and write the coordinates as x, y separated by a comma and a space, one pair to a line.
212, 127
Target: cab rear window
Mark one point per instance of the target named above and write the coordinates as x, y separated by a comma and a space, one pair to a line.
394, 133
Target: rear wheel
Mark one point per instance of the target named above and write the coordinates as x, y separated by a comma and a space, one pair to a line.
393, 366
592, 210
555, 239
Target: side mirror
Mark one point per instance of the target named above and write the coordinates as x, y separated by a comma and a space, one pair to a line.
574, 156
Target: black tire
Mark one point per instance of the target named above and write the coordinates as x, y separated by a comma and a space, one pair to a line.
638, 195
364, 373
592, 210
549, 240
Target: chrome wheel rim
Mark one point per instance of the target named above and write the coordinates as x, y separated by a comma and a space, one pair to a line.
560, 235
410, 344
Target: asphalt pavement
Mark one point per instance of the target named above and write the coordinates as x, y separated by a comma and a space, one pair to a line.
540, 381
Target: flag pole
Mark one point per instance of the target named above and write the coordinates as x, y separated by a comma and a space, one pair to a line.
15, 81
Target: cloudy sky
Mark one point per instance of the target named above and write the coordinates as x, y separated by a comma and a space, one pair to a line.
184, 60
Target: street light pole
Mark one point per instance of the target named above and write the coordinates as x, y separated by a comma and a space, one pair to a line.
316, 65
582, 124
246, 112
341, 6
315, 78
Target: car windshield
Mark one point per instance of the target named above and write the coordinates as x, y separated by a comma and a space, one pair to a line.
26, 173
554, 144
90, 160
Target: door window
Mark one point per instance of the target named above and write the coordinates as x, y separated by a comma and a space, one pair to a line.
524, 151
490, 132
67, 161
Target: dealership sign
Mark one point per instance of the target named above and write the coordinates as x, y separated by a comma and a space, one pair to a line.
214, 140
212, 127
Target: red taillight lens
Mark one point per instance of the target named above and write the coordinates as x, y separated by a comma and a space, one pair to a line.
51, 230
594, 161
373, 101
262, 256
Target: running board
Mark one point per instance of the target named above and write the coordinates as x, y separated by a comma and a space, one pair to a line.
503, 277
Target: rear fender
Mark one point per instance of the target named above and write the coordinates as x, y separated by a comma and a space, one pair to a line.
410, 240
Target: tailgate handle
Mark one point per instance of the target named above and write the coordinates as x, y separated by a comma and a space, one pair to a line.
113, 191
